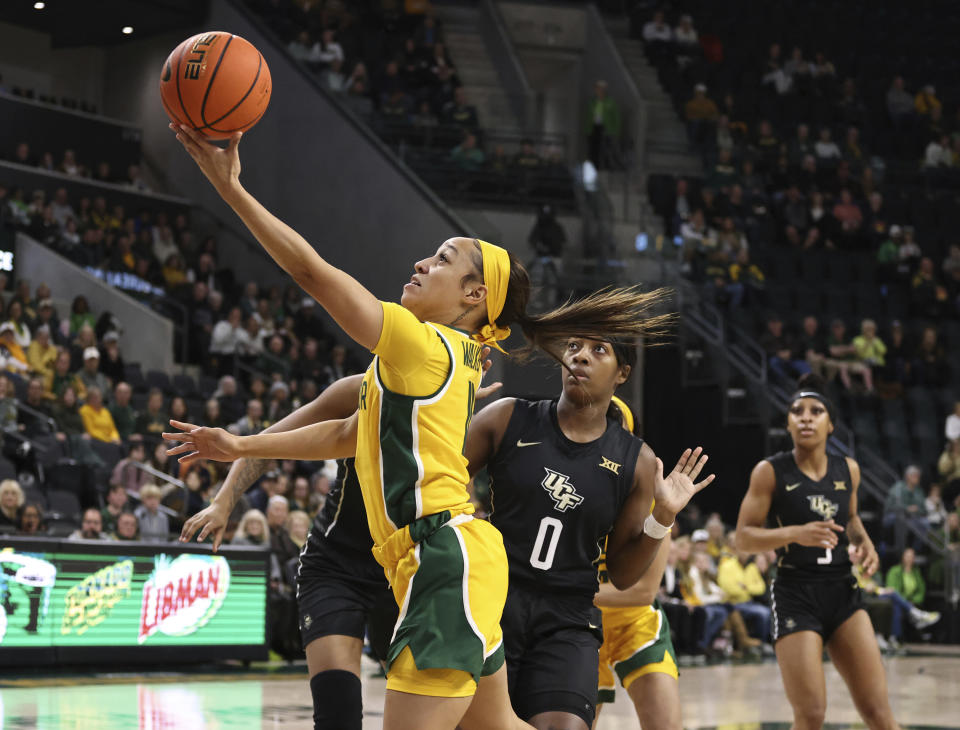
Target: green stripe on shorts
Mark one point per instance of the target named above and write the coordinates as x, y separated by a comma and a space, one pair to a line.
652, 654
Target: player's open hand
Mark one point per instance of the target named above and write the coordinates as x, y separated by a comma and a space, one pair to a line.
865, 555
676, 489
820, 534
221, 165
211, 520
200, 442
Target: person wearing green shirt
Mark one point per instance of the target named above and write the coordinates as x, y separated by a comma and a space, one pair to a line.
602, 126
900, 607
906, 580
869, 348
124, 417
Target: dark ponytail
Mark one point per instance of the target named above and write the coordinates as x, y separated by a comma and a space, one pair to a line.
616, 315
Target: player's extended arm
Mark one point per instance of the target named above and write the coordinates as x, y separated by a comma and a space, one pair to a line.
354, 308
753, 537
863, 553
630, 550
644, 591
335, 439
485, 433
339, 400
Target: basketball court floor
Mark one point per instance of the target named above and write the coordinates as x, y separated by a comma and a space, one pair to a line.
924, 691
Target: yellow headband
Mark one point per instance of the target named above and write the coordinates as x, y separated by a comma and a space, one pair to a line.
496, 276
625, 412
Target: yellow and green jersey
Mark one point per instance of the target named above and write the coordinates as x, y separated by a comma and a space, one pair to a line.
416, 402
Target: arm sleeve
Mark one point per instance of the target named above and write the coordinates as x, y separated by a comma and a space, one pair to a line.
412, 356
894, 579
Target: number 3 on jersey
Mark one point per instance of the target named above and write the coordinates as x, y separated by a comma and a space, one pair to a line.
554, 527
826, 559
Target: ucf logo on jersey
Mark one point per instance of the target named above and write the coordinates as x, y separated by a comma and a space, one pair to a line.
823, 506
561, 491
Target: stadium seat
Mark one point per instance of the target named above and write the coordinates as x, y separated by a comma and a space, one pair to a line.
159, 379
7, 469
133, 375
64, 504
186, 386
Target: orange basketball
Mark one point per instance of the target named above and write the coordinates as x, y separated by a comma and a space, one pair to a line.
216, 83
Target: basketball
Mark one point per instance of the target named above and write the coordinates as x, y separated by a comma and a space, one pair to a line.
216, 83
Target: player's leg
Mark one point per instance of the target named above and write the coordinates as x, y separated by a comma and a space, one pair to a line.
656, 697
334, 665
854, 651
491, 709
405, 711
800, 657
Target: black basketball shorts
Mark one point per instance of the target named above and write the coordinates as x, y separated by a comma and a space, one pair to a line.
343, 592
820, 606
552, 644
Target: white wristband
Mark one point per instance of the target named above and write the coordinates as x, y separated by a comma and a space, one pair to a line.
654, 529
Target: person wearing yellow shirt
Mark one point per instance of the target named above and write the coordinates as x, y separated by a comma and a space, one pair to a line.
741, 581
870, 349
12, 357
41, 353
97, 420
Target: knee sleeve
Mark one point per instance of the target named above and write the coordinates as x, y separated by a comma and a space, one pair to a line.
337, 703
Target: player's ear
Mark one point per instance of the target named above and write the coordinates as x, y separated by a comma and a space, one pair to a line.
623, 374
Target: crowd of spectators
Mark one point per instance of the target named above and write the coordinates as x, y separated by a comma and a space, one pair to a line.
394, 69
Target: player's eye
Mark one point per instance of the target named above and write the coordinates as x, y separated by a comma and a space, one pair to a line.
573, 345
443, 257
600, 348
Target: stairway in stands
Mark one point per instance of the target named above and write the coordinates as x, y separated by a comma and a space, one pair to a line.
666, 150
476, 70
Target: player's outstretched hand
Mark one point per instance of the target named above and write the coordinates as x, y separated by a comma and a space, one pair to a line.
221, 165
487, 390
820, 534
676, 489
201, 442
865, 555
210, 520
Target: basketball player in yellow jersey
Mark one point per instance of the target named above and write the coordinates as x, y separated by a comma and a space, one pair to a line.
636, 639
449, 571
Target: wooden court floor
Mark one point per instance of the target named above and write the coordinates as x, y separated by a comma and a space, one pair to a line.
924, 692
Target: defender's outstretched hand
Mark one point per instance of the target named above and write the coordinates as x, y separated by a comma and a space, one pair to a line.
221, 165
678, 487
201, 442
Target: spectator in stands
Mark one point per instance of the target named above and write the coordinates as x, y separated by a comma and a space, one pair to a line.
826, 150
467, 155
47, 316
116, 504
870, 349
603, 127
948, 467
97, 419
11, 500
8, 406
299, 495
34, 416
154, 524
42, 354
459, 112
952, 425
86, 339
926, 100
69, 165
279, 405
298, 526
227, 334
90, 375
66, 414
301, 48
906, 500
906, 580
280, 543
338, 367
701, 113
91, 527
936, 510
126, 474
153, 420
310, 366
135, 179
127, 528
31, 521
124, 417
23, 156
900, 105
687, 41
231, 405
928, 294
938, 154
701, 590
12, 357
252, 422
211, 414
743, 583
844, 355
657, 38
929, 366
61, 378
253, 530
782, 356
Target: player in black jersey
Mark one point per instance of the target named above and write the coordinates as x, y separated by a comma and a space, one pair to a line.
809, 498
564, 475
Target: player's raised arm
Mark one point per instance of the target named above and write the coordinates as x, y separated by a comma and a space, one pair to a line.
355, 309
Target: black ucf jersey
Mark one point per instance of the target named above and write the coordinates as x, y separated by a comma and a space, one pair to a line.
555, 500
343, 519
798, 499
